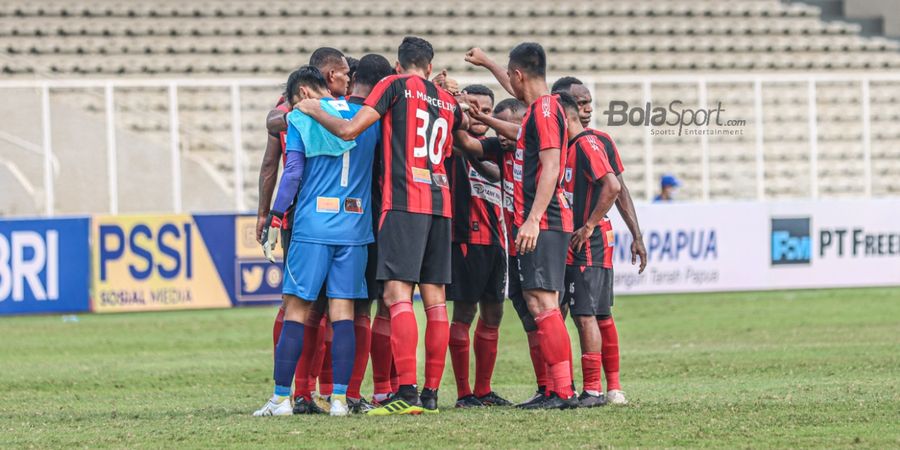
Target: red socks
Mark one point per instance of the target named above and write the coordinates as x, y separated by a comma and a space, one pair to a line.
362, 331
381, 355
591, 371
326, 375
437, 337
404, 338
459, 356
486, 338
395, 379
310, 345
276, 328
610, 348
557, 350
541, 371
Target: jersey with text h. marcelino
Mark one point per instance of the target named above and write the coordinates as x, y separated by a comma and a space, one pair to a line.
477, 202
417, 124
334, 205
543, 127
587, 165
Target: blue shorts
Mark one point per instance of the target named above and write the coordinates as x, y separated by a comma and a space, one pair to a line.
342, 266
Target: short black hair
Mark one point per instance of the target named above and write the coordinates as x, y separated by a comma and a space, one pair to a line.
353, 63
512, 104
568, 102
529, 57
479, 89
564, 84
415, 51
372, 68
308, 76
324, 56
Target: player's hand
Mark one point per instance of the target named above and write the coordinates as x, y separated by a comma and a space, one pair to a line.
581, 236
261, 221
442, 81
273, 224
639, 251
526, 240
308, 105
476, 57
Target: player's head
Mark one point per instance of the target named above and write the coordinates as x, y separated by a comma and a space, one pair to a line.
333, 66
482, 97
305, 82
371, 69
527, 61
570, 107
353, 63
415, 54
582, 95
510, 110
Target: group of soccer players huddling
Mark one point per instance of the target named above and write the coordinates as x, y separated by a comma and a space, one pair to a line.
390, 181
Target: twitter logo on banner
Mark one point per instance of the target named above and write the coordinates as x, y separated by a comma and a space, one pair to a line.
259, 281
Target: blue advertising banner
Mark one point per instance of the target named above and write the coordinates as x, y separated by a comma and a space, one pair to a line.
44, 266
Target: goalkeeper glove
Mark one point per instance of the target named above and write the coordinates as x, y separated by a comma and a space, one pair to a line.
274, 224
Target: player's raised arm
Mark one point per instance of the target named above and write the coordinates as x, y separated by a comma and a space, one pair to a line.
466, 144
478, 57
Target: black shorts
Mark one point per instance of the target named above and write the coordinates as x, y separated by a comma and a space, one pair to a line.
479, 273
545, 267
414, 247
589, 290
374, 286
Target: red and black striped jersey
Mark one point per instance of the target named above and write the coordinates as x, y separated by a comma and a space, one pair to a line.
477, 202
612, 152
506, 161
417, 124
543, 127
587, 165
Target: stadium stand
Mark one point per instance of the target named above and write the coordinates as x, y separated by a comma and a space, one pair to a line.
119, 39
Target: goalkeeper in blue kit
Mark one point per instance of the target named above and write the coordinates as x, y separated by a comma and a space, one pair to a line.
332, 228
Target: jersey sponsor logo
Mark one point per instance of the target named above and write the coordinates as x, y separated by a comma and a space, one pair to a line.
610, 238
487, 192
421, 175
570, 197
440, 179
517, 172
520, 154
353, 205
563, 200
508, 203
339, 105
329, 205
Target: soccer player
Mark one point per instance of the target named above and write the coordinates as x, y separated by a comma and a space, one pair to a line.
543, 218
335, 68
591, 188
370, 69
625, 206
333, 227
478, 261
414, 229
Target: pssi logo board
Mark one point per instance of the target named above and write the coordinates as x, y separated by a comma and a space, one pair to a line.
145, 263
791, 243
44, 266
256, 279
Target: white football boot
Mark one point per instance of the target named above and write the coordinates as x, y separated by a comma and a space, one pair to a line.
275, 408
339, 406
616, 397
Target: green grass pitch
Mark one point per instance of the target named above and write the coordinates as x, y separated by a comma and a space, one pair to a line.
813, 369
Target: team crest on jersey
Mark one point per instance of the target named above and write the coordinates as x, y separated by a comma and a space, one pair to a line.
545, 106
593, 141
353, 205
568, 174
421, 175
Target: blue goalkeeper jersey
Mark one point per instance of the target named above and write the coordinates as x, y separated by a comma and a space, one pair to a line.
334, 205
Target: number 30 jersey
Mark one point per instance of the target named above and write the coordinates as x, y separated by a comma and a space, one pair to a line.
418, 121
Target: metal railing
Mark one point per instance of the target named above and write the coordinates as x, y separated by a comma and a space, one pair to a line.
701, 82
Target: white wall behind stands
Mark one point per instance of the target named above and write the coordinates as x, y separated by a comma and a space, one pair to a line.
695, 247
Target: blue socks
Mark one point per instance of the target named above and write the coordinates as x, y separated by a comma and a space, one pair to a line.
343, 352
287, 353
